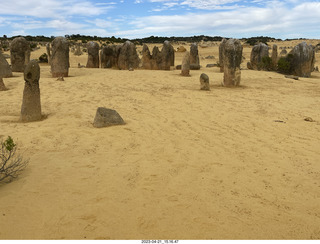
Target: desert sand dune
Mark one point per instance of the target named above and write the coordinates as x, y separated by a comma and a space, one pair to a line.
230, 163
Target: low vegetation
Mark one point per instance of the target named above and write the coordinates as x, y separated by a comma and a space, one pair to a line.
43, 58
113, 39
11, 163
285, 64
255, 40
266, 64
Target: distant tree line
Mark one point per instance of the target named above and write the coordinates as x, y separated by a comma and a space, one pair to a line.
160, 39
113, 39
262, 39
30, 38
151, 39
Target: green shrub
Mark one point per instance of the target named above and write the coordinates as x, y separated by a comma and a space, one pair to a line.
11, 163
265, 64
43, 58
33, 45
285, 64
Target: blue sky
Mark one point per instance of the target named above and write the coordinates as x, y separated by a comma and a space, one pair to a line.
143, 18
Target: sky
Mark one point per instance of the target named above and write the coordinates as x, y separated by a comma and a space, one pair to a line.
144, 18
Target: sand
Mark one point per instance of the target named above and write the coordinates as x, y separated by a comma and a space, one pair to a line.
230, 163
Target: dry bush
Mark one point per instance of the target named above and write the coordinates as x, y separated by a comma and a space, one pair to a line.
11, 163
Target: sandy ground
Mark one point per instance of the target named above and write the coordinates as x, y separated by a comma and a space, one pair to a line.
188, 164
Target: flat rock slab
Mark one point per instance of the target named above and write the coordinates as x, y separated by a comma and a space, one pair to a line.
107, 117
212, 65
292, 77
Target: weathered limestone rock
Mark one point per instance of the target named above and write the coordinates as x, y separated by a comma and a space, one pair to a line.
258, 52
274, 56
194, 57
107, 117
2, 86
48, 48
221, 51
167, 54
5, 69
156, 59
204, 82
93, 55
195, 66
303, 60
171, 55
109, 56
31, 107
185, 67
232, 59
19, 54
292, 77
146, 57
78, 51
212, 65
60, 57
128, 57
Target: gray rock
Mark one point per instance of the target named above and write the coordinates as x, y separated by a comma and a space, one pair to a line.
167, 56
212, 65
292, 77
185, 67
19, 54
195, 66
221, 52
93, 55
156, 63
5, 69
107, 117
303, 60
60, 57
128, 57
232, 59
48, 48
146, 57
274, 56
31, 106
158, 60
194, 55
258, 52
109, 56
204, 82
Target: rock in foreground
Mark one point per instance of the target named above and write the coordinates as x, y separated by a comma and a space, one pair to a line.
107, 117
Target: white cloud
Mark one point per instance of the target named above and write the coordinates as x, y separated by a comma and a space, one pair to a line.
276, 19
18, 32
101, 23
51, 8
235, 18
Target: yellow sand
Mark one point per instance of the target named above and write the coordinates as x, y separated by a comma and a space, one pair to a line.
188, 164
